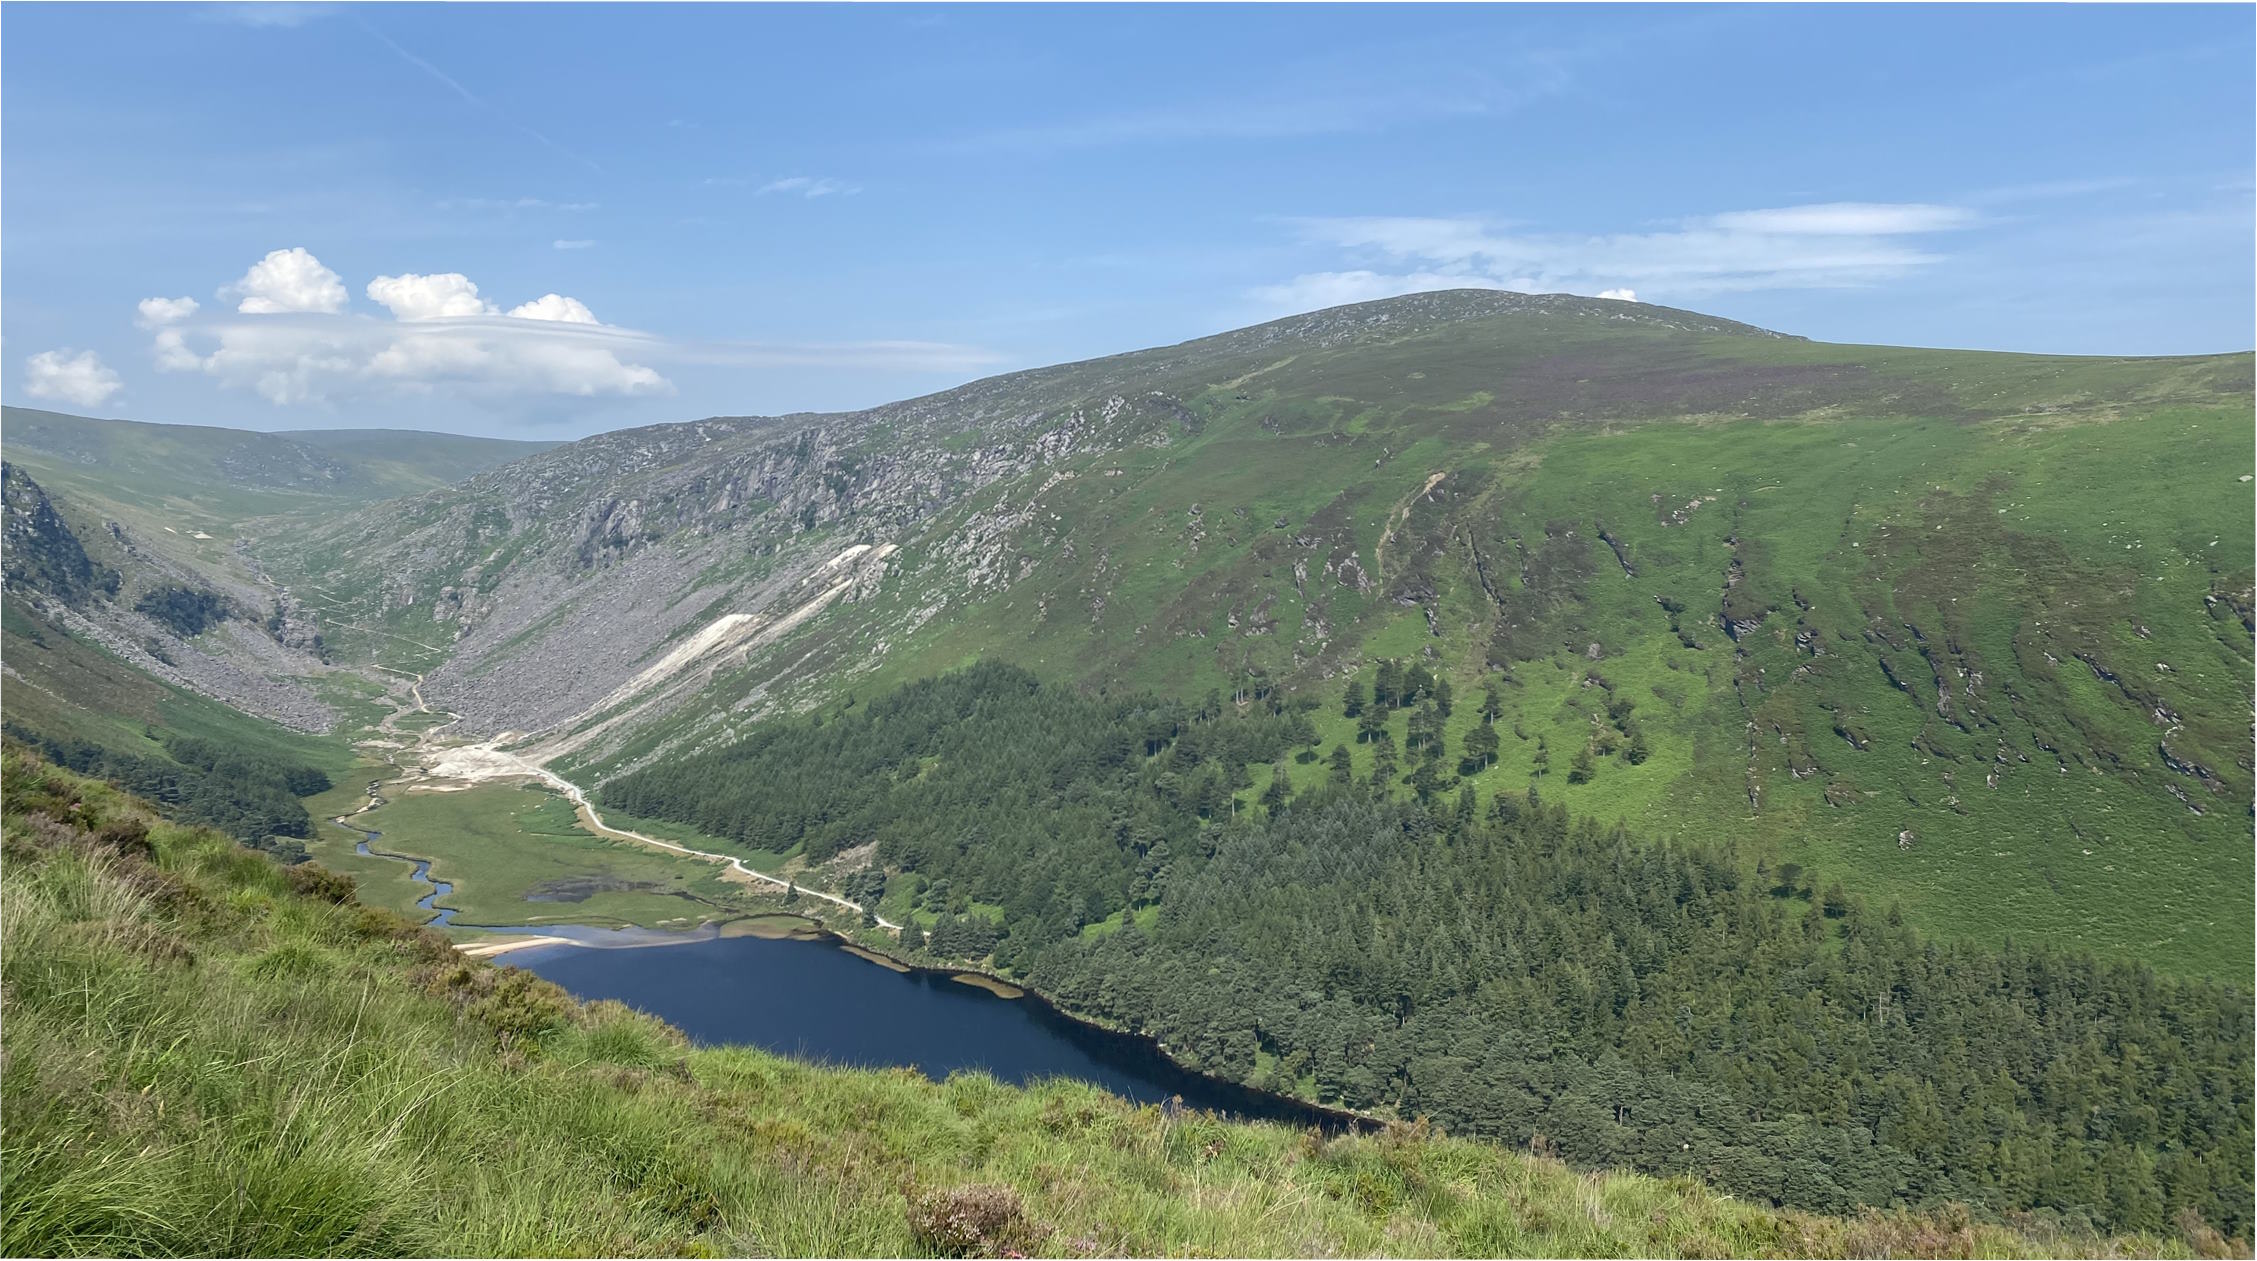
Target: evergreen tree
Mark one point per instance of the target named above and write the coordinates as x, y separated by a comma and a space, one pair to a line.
1481, 745
1383, 766
1582, 768
1467, 812
1418, 682
1387, 689
1281, 788
1492, 702
1352, 701
1636, 752
1425, 779
1343, 765
1373, 725
1836, 901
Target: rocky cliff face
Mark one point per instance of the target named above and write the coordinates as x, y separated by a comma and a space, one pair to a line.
96, 581
38, 552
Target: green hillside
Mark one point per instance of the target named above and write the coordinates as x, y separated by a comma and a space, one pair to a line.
1511, 973
206, 1054
1969, 631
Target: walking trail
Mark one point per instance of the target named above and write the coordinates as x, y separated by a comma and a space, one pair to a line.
490, 761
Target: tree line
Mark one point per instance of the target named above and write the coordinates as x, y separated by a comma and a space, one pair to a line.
198, 781
1508, 972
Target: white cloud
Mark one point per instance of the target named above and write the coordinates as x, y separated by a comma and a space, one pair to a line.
445, 336
286, 281
1792, 247
563, 244
79, 378
301, 346
554, 307
1846, 218
809, 186
172, 354
158, 312
320, 358
447, 295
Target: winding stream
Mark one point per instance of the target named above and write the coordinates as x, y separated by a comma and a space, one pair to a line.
441, 915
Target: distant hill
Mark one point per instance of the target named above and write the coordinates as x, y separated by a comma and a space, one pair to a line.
211, 476
127, 602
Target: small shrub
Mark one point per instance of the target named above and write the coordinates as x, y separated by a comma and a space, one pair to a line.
316, 881
126, 834
974, 1221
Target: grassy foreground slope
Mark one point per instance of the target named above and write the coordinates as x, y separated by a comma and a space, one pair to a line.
205, 1053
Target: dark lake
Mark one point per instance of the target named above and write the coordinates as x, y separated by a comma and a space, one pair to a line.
812, 1000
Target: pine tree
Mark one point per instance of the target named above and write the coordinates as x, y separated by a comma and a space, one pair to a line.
1492, 702
1387, 689
1425, 779
1373, 725
1343, 765
1352, 702
1418, 681
1637, 752
1582, 768
1280, 789
1481, 745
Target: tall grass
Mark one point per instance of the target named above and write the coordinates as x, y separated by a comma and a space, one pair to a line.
204, 1053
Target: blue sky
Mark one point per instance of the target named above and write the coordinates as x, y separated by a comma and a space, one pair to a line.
548, 221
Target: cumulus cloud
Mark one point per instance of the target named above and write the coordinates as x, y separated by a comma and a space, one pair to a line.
158, 312
556, 308
77, 377
286, 281
317, 358
809, 186
1830, 245
447, 295
444, 335
294, 342
162, 316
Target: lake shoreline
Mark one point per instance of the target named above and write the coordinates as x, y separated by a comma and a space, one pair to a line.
1323, 1115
